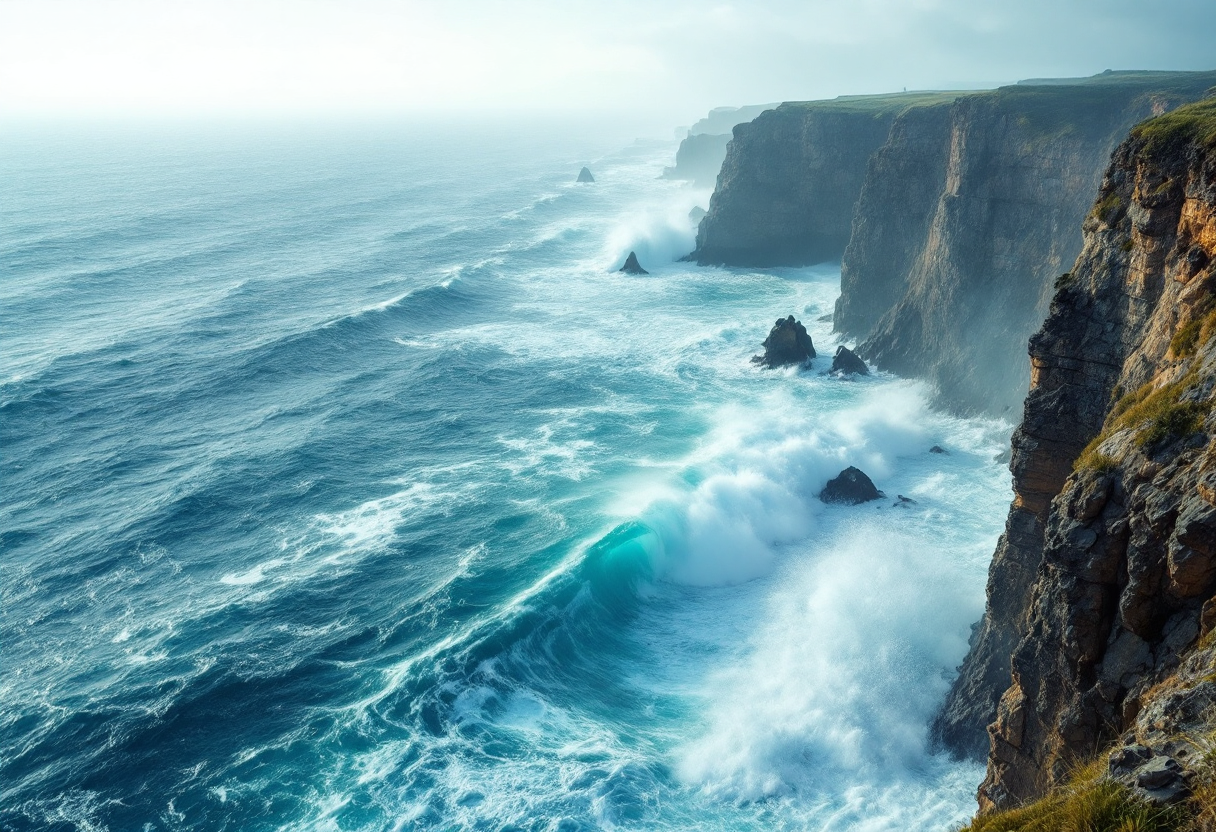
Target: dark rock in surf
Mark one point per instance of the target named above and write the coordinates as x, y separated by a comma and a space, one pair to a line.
851, 487
632, 266
938, 449
902, 502
847, 362
584, 175
787, 343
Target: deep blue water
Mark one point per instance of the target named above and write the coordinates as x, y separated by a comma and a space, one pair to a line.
347, 486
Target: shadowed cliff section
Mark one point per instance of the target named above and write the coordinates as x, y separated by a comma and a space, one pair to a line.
968, 214
1105, 576
786, 191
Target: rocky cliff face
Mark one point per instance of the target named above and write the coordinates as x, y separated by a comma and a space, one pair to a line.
791, 177
1103, 576
699, 158
945, 208
969, 214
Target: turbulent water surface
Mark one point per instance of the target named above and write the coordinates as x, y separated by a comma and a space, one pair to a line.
346, 485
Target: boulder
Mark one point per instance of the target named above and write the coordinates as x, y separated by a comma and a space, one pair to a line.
852, 486
787, 343
938, 449
584, 175
847, 362
632, 266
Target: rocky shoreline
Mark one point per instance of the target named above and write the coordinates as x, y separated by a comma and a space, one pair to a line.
1097, 637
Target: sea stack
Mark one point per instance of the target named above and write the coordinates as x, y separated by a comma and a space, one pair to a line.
787, 343
851, 487
584, 175
847, 362
632, 266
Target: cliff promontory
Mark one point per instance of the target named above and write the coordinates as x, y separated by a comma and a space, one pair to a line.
699, 158
968, 215
1104, 579
952, 213
791, 177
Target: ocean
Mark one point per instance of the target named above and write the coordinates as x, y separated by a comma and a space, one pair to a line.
347, 486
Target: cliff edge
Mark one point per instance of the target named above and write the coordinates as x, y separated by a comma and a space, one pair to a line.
1105, 574
967, 216
786, 190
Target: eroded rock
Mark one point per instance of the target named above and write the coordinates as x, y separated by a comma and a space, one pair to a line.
787, 343
851, 487
847, 362
632, 266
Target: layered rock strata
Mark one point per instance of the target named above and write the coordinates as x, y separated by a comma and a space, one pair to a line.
791, 177
969, 213
952, 213
1098, 586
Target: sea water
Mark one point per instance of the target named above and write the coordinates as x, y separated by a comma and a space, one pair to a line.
347, 485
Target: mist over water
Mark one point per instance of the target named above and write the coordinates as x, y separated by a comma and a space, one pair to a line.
349, 486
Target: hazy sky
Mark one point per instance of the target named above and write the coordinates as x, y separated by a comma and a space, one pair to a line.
668, 56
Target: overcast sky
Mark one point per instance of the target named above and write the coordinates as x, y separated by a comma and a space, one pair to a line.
662, 56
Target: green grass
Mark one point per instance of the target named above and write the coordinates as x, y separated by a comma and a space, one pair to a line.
1107, 208
1191, 124
1194, 332
878, 104
1158, 416
1088, 803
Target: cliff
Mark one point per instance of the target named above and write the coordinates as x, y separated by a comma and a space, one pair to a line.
722, 120
969, 212
786, 190
699, 158
943, 207
1104, 578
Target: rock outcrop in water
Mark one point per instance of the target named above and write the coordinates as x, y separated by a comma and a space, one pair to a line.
632, 266
852, 487
787, 343
1104, 578
584, 175
953, 214
846, 361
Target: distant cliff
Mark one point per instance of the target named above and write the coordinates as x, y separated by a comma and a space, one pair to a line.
1105, 576
791, 178
953, 213
968, 215
699, 158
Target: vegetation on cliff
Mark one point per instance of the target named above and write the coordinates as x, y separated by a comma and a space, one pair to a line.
1089, 802
1104, 582
1193, 124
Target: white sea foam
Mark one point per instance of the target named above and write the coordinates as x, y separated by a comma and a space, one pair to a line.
762, 473
660, 234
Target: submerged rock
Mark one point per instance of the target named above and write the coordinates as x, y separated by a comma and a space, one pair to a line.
632, 266
938, 449
787, 343
852, 486
584, 175
847, 362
